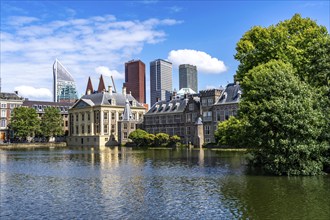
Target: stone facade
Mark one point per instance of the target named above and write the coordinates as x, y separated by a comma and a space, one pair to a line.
93, 119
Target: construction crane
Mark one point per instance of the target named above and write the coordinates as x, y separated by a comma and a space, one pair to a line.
113, 83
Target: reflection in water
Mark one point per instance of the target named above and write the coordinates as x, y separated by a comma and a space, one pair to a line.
122, 183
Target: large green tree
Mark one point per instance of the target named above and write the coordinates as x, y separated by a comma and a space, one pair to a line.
299, 41
24, 122
140, 138
284, 120
230, 133
51, 123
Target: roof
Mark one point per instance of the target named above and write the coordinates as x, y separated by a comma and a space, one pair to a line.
62, 73
12, 96
89, 86
186, 91
101, 85
105, 98
30, 103
231, 94
172, 106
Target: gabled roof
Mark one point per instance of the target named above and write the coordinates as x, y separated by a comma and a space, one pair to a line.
231, 94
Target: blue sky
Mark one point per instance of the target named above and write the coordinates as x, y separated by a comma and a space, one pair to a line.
94, 37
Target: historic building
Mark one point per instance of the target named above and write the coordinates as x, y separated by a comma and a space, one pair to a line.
193, 115
160, 81
64, 84
93, 119
135, 79
40, 107
126, 125
188, 77
8, 101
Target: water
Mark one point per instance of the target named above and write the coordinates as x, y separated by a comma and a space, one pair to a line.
154, 184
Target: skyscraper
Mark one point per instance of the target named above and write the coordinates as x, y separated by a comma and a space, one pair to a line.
188, 77
64, 85
160, 80
135, 79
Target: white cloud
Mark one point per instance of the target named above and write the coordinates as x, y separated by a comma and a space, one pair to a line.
107, 72
204, 62
29, 46
34, 93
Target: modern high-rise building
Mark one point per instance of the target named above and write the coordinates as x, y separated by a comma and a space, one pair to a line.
135, 79
64, 85
160, 80
188, 77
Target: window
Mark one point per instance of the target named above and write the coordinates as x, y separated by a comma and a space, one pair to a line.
191, 107
207, 129
105, 129
207, 116
97, 129
3, 113
113, 115
76, 117
77, 130
83, 116
204, 102
82, 129
209, 101
125, 135
3, 123
3, 105
112, 128
105, 116
88, 129
132, 126
12, 105
88, 116
188, 117
125, 125
188, 130
66, 123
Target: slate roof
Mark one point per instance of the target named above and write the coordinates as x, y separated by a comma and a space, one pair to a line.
12, 96
231, 94
104, 98
172, 106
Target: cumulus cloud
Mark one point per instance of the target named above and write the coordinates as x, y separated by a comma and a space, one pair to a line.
29, 46
34, 93
204, 62
107, 72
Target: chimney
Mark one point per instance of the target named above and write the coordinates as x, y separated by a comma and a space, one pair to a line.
88, 92
110, 89
124, 90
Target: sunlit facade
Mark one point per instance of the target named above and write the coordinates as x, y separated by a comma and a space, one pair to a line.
64, 85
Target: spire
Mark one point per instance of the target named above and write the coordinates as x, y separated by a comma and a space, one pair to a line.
127, 115
89, 86
101, 87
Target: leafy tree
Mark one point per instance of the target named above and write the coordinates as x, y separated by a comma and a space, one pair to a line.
140, 137
51, 123
24, 122
230, 132
161, 139
150, 139
174, 140
285, 120
299, 41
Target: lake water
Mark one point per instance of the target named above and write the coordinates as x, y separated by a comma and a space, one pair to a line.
151, 184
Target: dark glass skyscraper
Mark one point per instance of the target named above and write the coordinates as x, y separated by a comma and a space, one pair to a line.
64, 85
188, 77
135, 79
160, 80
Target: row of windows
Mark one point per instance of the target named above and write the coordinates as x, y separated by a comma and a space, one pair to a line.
207, 102
106, 116
11, 105
96, 129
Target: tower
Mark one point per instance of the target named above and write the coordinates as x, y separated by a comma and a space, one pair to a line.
188, 77
135, 79
160, 80
64, 85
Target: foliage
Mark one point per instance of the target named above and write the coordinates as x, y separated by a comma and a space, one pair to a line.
139, 137
51, 123
285, 120
24, 122
230, 132
174, 140
299, 41
161, 139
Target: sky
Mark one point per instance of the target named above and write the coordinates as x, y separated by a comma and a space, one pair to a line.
91, 38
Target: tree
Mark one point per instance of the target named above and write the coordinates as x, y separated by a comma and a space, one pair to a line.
299, 41
285, 120
174, 140
24, 122
140, 137
51, 123
230, 132
161, 139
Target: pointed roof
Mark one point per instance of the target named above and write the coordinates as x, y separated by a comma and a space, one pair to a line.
101, 85
89, 86
127, 115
